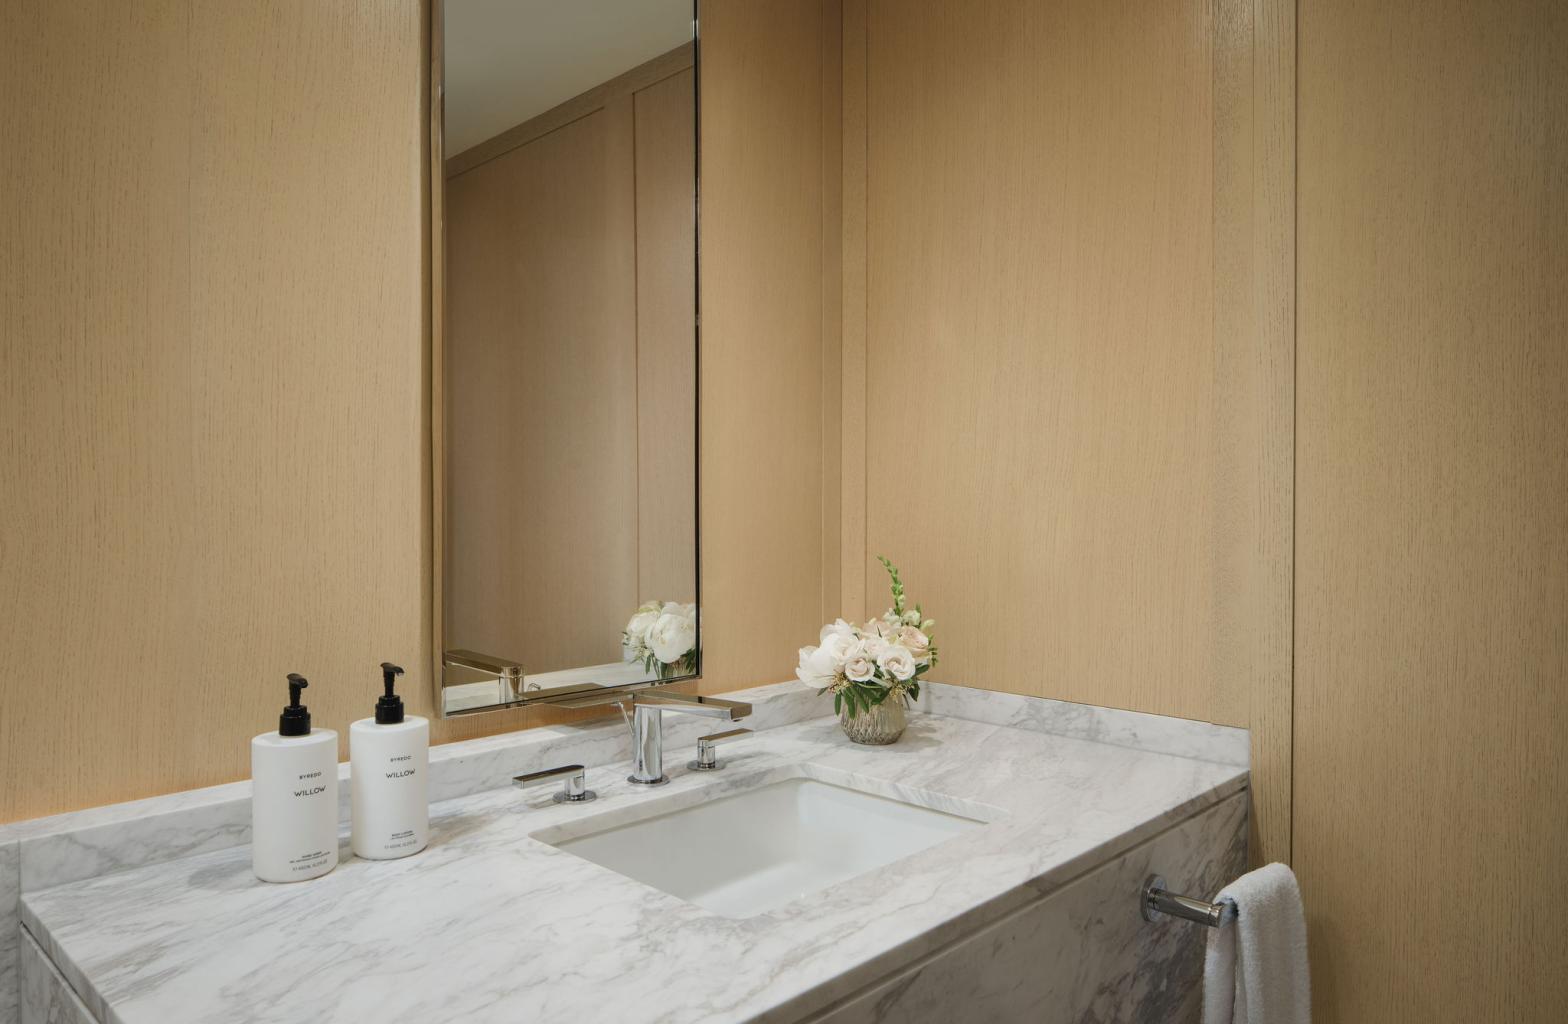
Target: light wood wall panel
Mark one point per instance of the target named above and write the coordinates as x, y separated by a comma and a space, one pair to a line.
832, 391
1253, 395
761, 261
214, 459
852, 299
212, 374
97, 574
1039, 428
1432, 542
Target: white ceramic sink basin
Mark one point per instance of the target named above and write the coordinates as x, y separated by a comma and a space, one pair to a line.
745, 854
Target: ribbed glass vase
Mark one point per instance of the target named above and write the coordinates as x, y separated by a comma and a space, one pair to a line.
877, 726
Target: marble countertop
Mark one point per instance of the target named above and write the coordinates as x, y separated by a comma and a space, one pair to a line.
490, 924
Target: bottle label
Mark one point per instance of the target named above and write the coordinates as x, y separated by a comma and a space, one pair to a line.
309, 862
310, 790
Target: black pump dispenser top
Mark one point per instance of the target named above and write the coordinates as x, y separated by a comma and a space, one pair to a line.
389, 709
295, 720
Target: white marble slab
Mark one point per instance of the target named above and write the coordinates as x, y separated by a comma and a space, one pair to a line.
45, 996
1159, 733
10, 928
489, 924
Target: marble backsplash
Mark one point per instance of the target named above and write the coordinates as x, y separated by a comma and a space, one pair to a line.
1221, 744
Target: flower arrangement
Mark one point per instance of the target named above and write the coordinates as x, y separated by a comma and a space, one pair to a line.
867, 666
662, 636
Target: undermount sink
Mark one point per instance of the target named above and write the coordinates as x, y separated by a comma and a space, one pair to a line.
748, 853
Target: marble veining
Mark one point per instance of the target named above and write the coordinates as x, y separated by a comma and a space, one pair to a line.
45, 852
10, 929
1082, 954
490, 923
45, 998
53, 851
1180, 736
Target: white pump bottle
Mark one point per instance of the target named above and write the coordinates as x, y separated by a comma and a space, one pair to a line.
389, 767
294, 796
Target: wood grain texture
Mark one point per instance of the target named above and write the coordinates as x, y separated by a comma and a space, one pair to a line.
1254, 402
853, 299
213, 384
1432, 544
761, 253
1039, 440
665, 131
540, 351
832, 308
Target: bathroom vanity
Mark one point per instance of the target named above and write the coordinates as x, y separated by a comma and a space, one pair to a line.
986, 867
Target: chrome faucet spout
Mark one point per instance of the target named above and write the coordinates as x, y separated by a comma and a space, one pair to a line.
647, 724
708, 707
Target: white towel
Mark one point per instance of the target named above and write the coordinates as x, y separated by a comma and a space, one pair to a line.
1255, 968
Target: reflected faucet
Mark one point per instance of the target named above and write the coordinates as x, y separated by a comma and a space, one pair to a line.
508, 674
646, 719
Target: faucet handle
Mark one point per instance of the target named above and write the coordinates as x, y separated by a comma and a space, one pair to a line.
708, 750
576, 776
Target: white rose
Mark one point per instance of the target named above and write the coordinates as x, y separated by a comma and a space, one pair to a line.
637, 628
897, 662
671, 636
836, 628
837, 644
873, 645
689, 613
818, 669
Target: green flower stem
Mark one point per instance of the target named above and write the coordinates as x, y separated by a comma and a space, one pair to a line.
898, 584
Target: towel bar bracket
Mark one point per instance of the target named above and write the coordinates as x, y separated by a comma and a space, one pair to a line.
1155, 899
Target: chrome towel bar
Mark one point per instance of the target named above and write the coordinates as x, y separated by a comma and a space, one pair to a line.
1156, 899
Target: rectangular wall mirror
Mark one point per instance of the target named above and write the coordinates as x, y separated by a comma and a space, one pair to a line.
564, 348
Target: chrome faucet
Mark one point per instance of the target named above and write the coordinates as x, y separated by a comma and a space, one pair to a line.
646, 719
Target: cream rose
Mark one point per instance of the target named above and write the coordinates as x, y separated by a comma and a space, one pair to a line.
858, 664
917, 643
896, 661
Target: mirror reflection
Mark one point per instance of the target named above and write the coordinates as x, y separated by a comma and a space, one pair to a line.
565, 349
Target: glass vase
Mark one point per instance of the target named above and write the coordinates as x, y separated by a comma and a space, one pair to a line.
876, 726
